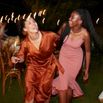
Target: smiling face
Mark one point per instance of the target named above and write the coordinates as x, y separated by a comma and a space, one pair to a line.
75, 19
30, 26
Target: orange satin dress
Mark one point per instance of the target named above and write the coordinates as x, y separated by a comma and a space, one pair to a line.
40, 67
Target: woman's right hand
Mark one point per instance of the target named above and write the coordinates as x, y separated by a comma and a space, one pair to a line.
15, 59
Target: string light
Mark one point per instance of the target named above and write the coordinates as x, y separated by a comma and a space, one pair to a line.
24, 16
40, 13
18, 17
12, 16
58, 22
6, 17
15, 20
29, 16
1, 19
97, 20
44, 11
8, 21
43, 20
34, 15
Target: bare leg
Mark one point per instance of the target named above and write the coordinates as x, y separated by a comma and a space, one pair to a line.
32, 101
69, 95
47, 101
62, 96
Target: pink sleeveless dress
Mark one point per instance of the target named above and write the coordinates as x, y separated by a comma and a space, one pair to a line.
70, 57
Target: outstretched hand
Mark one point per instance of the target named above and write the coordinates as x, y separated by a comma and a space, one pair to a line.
85, 77
15, 59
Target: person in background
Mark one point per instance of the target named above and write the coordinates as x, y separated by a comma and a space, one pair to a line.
71, 55
3, 35
37, 50
3, 38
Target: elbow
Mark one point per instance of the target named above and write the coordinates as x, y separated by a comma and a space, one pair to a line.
88, 53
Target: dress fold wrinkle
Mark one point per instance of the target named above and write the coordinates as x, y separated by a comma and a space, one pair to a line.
70, 57
41, 66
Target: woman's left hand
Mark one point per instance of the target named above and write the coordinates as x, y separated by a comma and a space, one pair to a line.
85, 77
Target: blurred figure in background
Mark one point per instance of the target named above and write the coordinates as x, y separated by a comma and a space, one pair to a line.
3, 35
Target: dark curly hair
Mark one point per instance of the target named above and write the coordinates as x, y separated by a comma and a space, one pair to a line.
88, 24
96, 42
20, 26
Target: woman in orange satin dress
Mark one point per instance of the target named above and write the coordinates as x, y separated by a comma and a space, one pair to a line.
37, 48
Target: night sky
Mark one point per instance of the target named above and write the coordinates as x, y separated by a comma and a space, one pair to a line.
19, 7
6, 6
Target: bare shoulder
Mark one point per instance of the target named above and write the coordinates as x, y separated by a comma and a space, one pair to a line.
85, 33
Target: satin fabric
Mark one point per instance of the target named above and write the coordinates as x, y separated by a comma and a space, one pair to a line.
41, 66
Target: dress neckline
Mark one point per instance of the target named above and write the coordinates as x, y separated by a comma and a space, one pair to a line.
38, 49
79, 38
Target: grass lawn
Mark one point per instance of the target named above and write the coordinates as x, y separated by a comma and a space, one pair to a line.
91, 89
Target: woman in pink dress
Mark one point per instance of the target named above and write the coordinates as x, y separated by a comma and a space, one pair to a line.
71, 58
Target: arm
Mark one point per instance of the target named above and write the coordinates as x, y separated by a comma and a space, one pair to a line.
87, 55
61, 29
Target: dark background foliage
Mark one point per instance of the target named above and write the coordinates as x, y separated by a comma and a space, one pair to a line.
56, 9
